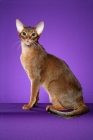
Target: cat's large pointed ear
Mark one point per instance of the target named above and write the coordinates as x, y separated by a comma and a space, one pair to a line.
19, 25
39, 27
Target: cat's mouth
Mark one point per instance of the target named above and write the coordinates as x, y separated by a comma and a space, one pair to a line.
27, 43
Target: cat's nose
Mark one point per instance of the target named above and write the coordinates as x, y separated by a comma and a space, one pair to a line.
27, 39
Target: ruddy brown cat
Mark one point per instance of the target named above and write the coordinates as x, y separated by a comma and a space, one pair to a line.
44, 69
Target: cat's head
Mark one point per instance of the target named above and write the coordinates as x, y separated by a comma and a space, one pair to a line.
29, 35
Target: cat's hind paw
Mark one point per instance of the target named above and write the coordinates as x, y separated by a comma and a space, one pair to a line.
47, 108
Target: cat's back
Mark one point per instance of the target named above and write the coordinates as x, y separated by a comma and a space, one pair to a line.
54, 67
57, 68
55, 62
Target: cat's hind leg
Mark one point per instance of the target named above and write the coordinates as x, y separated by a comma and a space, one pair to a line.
55, 107
53, 89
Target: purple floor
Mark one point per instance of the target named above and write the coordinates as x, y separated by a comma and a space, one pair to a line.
37, 124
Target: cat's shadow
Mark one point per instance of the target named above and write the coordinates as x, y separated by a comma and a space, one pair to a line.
17, 108
6, 108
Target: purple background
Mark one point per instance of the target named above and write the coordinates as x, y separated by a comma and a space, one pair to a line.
68, 34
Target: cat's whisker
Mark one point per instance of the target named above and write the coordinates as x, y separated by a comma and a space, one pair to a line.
15, 44
18, 47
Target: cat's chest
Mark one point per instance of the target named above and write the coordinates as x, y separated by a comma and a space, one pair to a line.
27, 61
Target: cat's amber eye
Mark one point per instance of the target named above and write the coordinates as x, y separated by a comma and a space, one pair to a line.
33, 34
24, 33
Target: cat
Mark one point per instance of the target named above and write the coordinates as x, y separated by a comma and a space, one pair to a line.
49, 71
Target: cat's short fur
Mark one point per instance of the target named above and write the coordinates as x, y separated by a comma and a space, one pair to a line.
44, 69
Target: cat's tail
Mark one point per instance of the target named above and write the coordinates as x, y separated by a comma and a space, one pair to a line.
80, 111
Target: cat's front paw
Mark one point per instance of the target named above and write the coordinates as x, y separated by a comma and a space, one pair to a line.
26, 107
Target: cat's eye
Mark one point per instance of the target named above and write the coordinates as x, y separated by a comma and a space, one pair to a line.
24, 33
33, 34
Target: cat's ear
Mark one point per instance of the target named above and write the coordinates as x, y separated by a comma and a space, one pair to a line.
19, 25
39, 27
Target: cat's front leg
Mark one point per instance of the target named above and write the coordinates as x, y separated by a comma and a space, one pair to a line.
34, 95
37, 98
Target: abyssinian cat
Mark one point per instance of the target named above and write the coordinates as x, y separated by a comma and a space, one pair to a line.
44, 69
